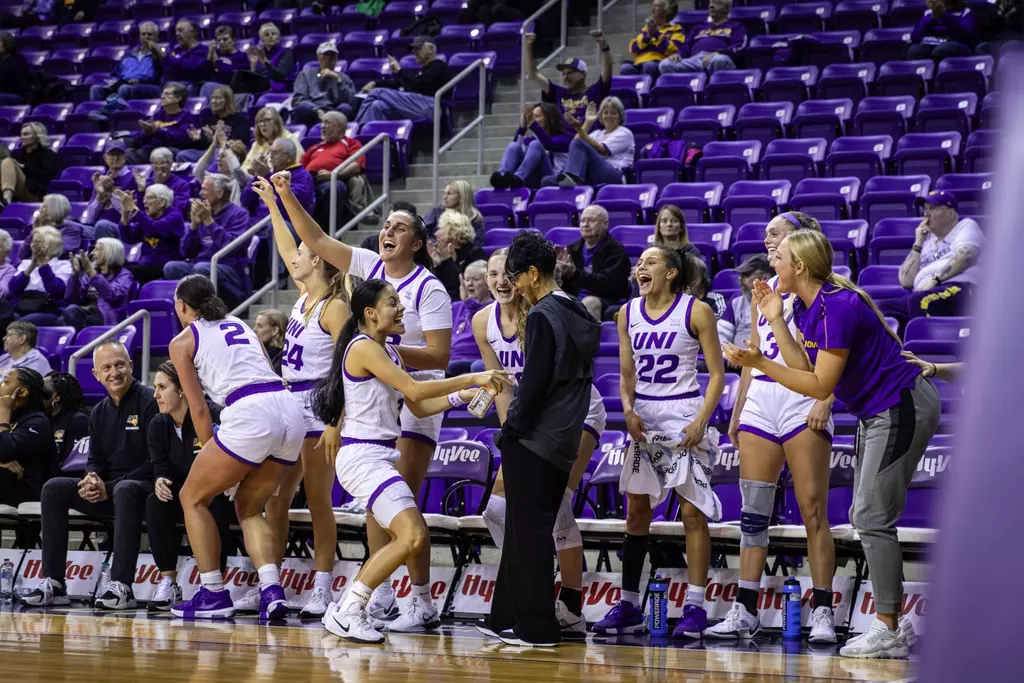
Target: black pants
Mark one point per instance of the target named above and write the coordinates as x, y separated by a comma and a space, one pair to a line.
949, 299
126, 506
525, 589
162, 521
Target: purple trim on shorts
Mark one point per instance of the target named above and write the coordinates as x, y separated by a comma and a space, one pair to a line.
789, 435
676, 397
419, 437
761, 433
408, 278
345, 441
286, 463
380, 489
220, 444
303, 385
195, 336
689, 310
252, 390
763, 378
497, 320
314, 435
665, 315
591, 430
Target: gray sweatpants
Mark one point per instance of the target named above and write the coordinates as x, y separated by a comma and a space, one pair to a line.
889, 446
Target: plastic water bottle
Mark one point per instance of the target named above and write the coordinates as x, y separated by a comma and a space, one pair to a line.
657, 614
7, 580
791, 609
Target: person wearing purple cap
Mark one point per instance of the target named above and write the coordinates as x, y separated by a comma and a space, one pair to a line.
941, 267
711, 46
845, 348
573, 96
104, 211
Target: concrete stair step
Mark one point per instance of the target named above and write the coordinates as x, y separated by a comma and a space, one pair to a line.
454, 170
475, 181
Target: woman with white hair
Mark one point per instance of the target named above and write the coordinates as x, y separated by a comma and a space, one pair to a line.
159, 228
98, 292
453, 249
54, 213
161, 160
270, 65
601, 157
25, 174
41, 281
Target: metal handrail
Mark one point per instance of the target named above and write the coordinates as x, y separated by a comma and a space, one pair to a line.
234, 244
602, 8
112, 332
478, 122
557, 52
384, 139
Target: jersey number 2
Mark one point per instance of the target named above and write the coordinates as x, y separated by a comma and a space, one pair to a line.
235, 334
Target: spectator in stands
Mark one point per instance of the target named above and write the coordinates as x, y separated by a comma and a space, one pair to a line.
573, 96
102, 213
712, 46
1007, 25
323, 157
186, 61
7, 270
947, 29
595, 268
221, 113
322, 89
20, 349
14, 69
119, 479
270, 65
941, 268
136, 75
539, 149
269, 127
38, 288
25, 174
173, 447
415, 99
159, 227
453, 249
27, 453
69, 419
214, 223
270, 327
734, 325
54, 212
99, 290
161, 160
221, 154
169, 128
224, 59
601, 157
475, 295
458, 196
283, 157
700, 288
660, 38
670, 231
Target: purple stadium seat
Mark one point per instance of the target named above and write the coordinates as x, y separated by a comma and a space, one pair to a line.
465, 95
65, 61
84, 149
659, 172
860, 15
401, 137
91, 388
496, 216
649, 124
632, 90
36, 37
504, 38
554, 207
75, 182
939, 113
515, 200
805, 17
17, 220
713, 240
763, 121
608, 387
849, 81
970, 189
35, 58
892, 197
789, 83
989, 110
754, 200
891, 239
761, 51
860, 156
282, 17
826, 198
446, 11
700, 125
397, 15
50, 115
116, 32
734, 86
831, 47
460, 38
562, 236
305, 51
626, 204
884, 116
157, 297
931, 154
939, 340
362, 44
748, 239
677, 91
881, 282
904, 78
822, 118
755, 18
793, 160
500, 238
848, 239
362, 71
151, 9
727, 162
964, 74
103, 59
52, 341
11, 118
695, 200
73, 35
243, 23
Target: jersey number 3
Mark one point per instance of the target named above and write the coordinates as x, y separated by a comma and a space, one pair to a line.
235, 334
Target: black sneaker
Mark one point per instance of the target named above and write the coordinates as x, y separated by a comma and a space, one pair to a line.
514, 181
498, 180
117, 596
50, 592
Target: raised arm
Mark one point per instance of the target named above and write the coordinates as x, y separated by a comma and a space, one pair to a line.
912, 264
336, 252
181, 350
531, 64
282, 235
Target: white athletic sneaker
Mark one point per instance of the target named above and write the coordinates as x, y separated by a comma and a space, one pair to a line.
573, 627
417, 618
316, 606
906, 629
167, 593
48, 593
738, 624
353, 624
249, 603
383, 606
823, 626
117, 596
878, 643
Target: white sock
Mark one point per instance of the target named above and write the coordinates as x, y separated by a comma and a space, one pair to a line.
695, 595
323, 580
750, 585
422, 593
494, 519
269, 576
358, 594
212, 581
631, 596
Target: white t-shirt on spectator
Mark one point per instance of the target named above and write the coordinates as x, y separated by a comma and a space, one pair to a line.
60, 267
936, 254
620, 146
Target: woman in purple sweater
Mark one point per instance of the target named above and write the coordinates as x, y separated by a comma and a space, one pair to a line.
160, 227
946, 29
98, 292
539, 149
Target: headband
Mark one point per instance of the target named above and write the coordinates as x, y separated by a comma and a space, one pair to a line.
791, 218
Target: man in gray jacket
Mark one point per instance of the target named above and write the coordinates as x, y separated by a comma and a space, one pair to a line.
320, 89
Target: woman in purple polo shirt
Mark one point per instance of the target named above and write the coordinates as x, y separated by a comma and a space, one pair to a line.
845, 348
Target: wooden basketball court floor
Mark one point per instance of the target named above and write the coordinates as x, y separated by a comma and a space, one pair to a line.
87, 646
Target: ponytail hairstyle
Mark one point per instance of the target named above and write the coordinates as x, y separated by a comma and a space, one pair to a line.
328, 397
420, 257
68, 391
35, 390
197, 292
685, 271
335, 289
814, 251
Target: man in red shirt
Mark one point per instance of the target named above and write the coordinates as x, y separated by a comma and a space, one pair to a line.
325, 156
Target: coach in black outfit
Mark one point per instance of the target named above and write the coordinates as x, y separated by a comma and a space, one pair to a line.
27, 452
69, 418
539, 441
117, 482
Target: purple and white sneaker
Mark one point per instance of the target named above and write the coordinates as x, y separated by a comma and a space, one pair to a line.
624, 618
693, 623
206, 604
273, 604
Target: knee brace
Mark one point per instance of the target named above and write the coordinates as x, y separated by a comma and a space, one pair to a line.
566, 532
758, 500
494, 519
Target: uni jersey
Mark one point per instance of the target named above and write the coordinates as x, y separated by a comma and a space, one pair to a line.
230, 360
427, 304
766, 337
664, 350
371, 407
507, 349
308, 348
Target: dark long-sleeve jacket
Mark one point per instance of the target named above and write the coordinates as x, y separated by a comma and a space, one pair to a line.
171, 456
607, 276
28, 442
117, 437
226, 65
279, 67
449, 271
68, 427
14, 78
40, 167
427, 81
184, 65
206, 240
323, 93
109, 293
957, 26
161, 237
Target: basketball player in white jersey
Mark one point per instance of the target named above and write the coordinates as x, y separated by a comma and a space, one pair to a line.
315, 323
671, 446
261, 430
771, 425
424, 346
366, 381
494, 328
